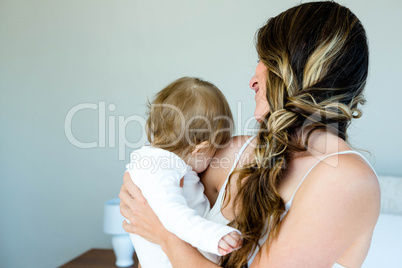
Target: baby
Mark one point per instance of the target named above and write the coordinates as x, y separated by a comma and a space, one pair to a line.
187, 121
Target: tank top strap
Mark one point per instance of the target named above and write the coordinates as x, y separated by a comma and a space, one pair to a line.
219, 200
239, 154
337, 153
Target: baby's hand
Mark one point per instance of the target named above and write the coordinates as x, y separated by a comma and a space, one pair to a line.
229, 243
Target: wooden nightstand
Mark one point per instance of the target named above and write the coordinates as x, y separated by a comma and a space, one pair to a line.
96, 258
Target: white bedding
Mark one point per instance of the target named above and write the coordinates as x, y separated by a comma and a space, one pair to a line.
386, 246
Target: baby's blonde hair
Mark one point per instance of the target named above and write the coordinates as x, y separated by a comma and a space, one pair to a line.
186, 113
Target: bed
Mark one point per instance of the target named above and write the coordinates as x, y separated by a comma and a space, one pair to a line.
386, 246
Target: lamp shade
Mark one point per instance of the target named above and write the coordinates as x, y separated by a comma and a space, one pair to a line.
112, 222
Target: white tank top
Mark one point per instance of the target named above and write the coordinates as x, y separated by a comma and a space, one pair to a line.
215, 213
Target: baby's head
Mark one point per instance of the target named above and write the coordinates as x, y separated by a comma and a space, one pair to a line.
191, 118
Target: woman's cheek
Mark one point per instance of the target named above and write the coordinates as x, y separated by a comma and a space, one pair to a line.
261, 109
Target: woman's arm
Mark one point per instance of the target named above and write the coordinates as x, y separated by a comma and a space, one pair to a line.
164, 195
334, 210
145, 223
182, 254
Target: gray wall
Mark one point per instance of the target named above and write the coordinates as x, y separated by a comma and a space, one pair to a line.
55, 55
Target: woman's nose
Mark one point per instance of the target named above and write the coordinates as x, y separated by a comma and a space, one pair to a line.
253, 83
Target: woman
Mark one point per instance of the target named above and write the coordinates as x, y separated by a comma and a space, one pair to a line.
300, 196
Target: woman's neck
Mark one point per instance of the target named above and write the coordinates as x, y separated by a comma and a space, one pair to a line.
323, 142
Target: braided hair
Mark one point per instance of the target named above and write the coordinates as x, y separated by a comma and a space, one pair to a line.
316, 56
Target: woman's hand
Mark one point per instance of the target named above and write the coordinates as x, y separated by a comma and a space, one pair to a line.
135, 208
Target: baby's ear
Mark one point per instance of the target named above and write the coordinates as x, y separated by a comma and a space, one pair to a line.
201, 147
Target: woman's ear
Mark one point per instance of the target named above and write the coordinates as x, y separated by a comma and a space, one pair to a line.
200, 147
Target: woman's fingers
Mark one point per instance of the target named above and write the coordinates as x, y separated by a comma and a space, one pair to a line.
142, 220
134, 191
128, 227
130, 195
126, 199
126, 177
126, 211
132, 228
127, 203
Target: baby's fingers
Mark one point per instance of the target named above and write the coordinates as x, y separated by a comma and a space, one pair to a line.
233, 240
224, 248
222, 252
236, 236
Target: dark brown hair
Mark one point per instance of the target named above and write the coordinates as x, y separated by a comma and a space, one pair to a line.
316, 55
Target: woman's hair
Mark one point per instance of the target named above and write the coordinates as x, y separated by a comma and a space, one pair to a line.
186, 113
316, 56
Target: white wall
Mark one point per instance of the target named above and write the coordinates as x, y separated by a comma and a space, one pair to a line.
55, 55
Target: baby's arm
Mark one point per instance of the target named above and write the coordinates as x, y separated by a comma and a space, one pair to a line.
162, 190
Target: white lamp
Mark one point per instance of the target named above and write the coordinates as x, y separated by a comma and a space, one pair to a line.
112, 224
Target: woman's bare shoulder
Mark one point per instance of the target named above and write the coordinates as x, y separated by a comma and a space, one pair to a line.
344, 180
349, 172
233, 146
225, 156
222, 162
334, 208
